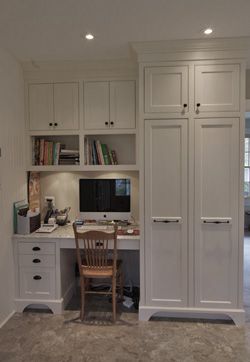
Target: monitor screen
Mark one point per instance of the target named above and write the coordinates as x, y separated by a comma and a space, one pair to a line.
105, 198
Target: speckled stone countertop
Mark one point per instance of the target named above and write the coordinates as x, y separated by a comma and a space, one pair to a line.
63, 232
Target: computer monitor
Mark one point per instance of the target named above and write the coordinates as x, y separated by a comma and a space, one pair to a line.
105, 199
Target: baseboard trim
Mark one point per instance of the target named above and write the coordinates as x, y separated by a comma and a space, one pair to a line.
7, 318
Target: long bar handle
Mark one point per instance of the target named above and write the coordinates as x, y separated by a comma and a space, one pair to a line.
166, 221
216, 222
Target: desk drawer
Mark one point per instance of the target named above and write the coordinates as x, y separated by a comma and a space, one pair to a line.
37, 260
36, 248
38, 283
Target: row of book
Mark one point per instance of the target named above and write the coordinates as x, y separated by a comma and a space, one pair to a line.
97, 153
52, 153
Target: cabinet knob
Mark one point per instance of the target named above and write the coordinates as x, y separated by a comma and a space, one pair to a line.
106, 123
50, 124
36, 248
55, 124
36, 261
185, 105
37, 277
112, 123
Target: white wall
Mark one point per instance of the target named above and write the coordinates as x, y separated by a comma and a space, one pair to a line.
65, 187
12, 175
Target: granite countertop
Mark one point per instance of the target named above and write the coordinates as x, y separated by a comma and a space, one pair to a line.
66, 232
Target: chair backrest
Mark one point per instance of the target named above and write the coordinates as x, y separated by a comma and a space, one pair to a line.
99, 247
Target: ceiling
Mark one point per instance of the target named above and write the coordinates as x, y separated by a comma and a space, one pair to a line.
45, 30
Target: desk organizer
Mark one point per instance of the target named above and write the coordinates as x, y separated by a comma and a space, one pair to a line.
27, 225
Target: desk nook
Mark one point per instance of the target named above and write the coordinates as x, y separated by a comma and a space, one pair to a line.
171, 137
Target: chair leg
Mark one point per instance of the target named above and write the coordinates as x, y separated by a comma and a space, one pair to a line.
82, 282
121, 286
114, 297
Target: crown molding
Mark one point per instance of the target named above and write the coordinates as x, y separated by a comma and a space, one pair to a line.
74, 69
191, 48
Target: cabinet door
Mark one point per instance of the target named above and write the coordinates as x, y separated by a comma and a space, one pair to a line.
216, 212
66, 106
166, 89
40, 106
217, 88
96, 105
166, 212
122, 104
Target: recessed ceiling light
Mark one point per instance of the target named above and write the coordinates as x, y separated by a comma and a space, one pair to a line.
208, 31
89, 36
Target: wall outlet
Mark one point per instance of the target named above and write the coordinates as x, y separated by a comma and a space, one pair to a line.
50, 199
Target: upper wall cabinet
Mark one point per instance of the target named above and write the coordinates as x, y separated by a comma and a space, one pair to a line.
166, 89
53, 106
217, 88
109, 104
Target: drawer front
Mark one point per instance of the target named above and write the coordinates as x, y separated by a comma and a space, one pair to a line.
37, 260
36, 248
37, 283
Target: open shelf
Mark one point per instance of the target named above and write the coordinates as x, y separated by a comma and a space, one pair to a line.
124, 146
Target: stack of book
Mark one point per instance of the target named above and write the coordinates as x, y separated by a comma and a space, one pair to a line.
52, 153
97, 153
69, 157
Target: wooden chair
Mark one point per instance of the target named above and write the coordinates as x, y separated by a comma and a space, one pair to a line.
99, 261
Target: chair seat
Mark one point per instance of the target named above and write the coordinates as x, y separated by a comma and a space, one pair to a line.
100, 272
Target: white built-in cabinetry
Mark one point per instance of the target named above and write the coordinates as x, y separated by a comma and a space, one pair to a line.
109, 105
191, 119
53, 106
70, 112
36, 270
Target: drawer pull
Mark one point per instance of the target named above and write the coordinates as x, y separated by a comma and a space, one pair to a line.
36, 261
216, 222
36, 248
166, 221
37, 277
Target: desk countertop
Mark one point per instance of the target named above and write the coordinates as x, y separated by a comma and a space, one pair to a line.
64, 232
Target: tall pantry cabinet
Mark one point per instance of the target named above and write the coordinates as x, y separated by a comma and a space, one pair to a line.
191, 124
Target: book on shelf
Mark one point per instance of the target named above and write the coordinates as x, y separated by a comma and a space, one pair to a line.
99, 152
37, 151
105, 153
41, 153
114, 157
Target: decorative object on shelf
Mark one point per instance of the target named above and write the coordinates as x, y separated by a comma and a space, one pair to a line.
97, 153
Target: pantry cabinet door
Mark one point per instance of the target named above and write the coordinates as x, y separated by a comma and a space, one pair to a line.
166, 89
166, 212
66, 106
96, 105
217, 88
40, 107
216, 212
122, 104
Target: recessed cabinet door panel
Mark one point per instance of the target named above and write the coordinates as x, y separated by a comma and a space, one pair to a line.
122, 104
96, 105
37, 283
216, 212
166, 89
41, 112
66, 103
217, 88
166, 212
